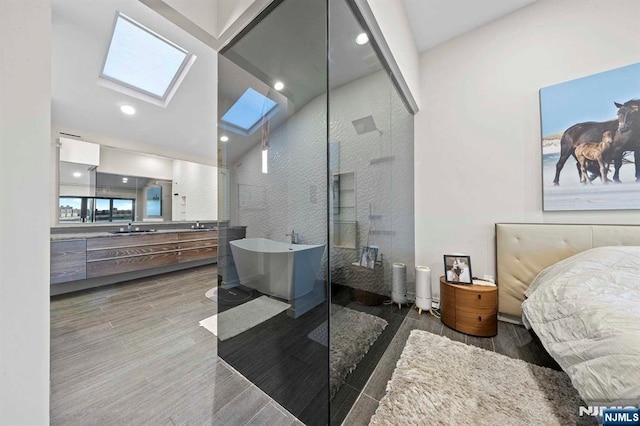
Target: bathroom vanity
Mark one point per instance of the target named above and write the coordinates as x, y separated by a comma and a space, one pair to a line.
91, 259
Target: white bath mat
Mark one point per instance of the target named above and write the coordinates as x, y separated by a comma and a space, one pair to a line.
241, 318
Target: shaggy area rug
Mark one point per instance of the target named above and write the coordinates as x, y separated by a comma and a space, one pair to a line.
352, 335
439, 381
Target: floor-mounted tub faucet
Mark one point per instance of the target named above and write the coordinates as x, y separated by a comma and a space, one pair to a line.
294, 237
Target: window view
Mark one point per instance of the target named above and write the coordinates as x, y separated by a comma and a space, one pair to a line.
90, 209
70, 209
103, 210
121, 210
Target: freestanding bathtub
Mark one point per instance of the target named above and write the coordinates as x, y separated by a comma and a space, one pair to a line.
284, 270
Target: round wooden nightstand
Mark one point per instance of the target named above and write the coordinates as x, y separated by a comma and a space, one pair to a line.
469, 309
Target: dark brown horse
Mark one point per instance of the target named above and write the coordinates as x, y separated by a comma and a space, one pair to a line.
627, 139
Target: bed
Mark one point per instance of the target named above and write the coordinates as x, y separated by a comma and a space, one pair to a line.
578, 288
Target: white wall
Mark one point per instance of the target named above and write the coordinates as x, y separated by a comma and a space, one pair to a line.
394, 24
119, 162
478, 133
25, 125
197, 189
229, 11
203, 13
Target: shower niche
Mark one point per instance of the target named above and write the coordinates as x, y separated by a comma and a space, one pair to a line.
290, 86
345, 226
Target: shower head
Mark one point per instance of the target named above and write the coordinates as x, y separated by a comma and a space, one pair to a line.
365, 125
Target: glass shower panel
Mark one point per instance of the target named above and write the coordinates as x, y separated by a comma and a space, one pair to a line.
371, 205
273, 192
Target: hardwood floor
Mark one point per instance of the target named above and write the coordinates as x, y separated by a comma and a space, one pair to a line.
512, 340
134, 354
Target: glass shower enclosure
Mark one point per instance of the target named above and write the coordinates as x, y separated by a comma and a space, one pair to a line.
315, 201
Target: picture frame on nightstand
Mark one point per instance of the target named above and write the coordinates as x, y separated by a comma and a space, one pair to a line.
457, 269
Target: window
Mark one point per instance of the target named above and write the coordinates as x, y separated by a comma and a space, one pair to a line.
246, 114
121, 210
70, 209
140, 60
102, 210
91, 209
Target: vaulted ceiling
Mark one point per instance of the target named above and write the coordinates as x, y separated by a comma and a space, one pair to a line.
188, 124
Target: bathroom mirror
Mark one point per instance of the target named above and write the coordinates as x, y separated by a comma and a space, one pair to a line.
136, 187
96, 197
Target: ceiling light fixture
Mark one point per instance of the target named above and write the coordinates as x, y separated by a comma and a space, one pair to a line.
224, 138
362, 38
127, 109
125, 180
77, 174
278, 85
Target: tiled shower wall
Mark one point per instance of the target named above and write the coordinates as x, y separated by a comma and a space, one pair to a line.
293, 195
383, 164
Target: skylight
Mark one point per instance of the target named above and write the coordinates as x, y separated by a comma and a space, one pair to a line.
144, 61
247, 113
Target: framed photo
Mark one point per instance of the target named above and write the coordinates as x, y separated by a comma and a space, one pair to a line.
457, 269
369, 256
590, 129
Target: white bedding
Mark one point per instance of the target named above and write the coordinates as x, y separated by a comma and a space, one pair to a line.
586, 311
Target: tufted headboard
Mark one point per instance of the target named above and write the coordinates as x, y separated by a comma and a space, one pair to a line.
523, 250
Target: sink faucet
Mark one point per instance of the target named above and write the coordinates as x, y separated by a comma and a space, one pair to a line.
294, 237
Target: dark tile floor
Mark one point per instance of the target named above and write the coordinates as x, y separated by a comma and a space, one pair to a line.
279, 358
347, 395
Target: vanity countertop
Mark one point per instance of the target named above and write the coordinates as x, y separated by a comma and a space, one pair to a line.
85, 235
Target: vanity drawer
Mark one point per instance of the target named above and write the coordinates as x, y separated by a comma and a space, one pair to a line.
197, 244
197, 235
120, 252
68, 261
189, 255
133, 240
102, 268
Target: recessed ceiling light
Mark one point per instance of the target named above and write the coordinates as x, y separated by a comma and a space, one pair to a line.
224, 138
77, 174
128, 109
362, 38
278, 85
